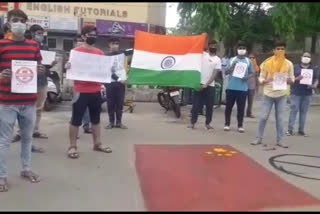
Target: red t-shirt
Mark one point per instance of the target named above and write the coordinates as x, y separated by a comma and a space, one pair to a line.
83, 86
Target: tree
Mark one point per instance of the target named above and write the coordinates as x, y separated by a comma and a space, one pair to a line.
229, 22
297, 20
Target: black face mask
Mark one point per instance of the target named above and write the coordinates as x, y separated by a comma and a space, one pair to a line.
213, 50
91, 40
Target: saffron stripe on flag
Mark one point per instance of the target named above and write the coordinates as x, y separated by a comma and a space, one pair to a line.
177, 78
176, 45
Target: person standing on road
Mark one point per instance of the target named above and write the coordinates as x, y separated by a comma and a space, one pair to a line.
86, 95
17, 106
211, 64
86, 117
252, 84
237, 88
301, 94
275, 71
116, 88
37, 35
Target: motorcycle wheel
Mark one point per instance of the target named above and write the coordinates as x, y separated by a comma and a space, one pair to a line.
47, 105
162, 100
175, 107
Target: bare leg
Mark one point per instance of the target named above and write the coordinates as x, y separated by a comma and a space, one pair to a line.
73, 134
96, 134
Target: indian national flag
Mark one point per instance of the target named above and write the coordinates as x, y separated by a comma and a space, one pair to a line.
162, 60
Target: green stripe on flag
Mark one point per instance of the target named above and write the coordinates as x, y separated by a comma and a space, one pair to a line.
180, 78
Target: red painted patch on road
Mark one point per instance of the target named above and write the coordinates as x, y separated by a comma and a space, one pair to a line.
185, 178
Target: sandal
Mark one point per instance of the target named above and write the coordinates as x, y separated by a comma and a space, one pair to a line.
4, 185
39, 135
37, 149
30, 176
73, 155
99, 148
16, 138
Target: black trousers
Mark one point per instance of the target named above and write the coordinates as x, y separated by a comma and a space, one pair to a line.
251, 94
206, 97
233, 97
115, 100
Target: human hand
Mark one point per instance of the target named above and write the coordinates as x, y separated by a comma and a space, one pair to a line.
67, 66
54, 63
5, 74
299, 78
41, 69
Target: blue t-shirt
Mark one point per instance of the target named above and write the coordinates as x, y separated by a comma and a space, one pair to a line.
301, 89
235, 83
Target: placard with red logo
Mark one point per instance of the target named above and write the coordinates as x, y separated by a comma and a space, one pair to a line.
24, 76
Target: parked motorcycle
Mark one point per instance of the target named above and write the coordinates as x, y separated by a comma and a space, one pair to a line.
169, 99
54, 95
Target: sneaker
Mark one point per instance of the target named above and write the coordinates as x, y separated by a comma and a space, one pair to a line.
241, 129
209, 127
267, 147
289, 133
257, 142
191, 126
251, 116
226, 128
121, 126
87, 131
282, 145
110, 126
302, 134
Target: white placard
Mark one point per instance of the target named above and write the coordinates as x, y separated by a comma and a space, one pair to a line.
307, 76
280, 82
240, 70
89, 67
48, 57
24, 76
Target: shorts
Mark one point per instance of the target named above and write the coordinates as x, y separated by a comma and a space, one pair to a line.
81, 102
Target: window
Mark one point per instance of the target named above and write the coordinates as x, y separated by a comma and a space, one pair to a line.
52, 43
67, 44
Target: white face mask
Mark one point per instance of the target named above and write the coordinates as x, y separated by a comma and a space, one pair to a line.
38, 38
242, 52
18, 28
305, 60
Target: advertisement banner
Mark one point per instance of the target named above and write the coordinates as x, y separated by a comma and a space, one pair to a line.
121, 29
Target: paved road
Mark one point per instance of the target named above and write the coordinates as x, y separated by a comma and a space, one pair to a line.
108, 182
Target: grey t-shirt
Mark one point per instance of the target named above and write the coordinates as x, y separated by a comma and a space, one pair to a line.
252, 82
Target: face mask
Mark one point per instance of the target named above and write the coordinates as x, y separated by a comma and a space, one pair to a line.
18, 28
38, 38
91, 40
242, 52
305, 60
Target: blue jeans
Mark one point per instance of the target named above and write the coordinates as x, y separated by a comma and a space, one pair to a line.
86, 120
299, 104
26, 117
279, 104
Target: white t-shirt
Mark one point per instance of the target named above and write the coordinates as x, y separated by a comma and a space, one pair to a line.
209, 64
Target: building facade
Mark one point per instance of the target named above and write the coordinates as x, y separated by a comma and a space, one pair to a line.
63, 20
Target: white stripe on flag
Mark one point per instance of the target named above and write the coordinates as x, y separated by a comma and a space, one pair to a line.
155, 61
